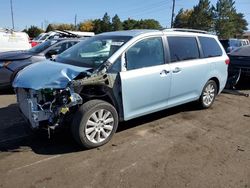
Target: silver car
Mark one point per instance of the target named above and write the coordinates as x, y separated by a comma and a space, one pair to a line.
14, 61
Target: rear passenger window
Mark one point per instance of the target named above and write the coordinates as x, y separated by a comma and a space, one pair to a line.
210, 47
183, 48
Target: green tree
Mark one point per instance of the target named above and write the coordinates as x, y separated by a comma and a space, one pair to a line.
228, 23
106, 24
148, 24
65, 27
202, 16
182, 18
241, 24
116, 23
130, 24
50, 27
97, 26
34, 31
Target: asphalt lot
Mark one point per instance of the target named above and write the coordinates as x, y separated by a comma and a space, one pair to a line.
179, 147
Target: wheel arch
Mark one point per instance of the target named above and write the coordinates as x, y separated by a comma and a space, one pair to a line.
216, 80
101, 92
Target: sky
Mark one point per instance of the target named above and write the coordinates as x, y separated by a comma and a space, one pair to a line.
42, 12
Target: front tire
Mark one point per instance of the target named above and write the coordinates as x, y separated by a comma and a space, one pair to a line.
208, 94
94, 123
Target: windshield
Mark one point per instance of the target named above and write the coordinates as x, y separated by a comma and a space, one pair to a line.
44, 37
39, 36
92, 52
43, 46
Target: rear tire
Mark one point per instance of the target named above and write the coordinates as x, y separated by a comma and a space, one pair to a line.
94, 124
208, 94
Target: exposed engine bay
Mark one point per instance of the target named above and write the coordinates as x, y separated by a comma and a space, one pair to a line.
46, 107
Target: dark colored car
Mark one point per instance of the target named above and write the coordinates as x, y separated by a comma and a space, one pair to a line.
239, 65
12, 62
230, 44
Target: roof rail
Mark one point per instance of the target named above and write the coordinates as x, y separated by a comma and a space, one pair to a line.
186, 30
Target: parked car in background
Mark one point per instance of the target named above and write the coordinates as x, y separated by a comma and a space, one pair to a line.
231, 44
244, 42
35, 41
64, 34
12, 40
12, 62
118, 76
239, 64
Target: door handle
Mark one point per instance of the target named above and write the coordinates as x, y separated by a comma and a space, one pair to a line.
164, 73
177, 69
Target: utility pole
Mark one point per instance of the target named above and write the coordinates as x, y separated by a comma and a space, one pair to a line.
75, 20
172, 19
11, 8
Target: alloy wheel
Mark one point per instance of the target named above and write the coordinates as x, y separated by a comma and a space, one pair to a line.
99, 126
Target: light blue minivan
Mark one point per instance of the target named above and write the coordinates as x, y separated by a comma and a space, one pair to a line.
118, 76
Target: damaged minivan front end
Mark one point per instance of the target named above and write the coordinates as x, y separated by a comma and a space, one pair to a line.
81, 88
46, 98
46, 108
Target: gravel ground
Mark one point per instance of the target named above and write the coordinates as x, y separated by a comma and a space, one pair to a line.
179, 147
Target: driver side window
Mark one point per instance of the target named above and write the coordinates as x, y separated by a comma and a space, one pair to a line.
145, 53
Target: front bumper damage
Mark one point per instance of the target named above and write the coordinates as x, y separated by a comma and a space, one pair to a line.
46, 109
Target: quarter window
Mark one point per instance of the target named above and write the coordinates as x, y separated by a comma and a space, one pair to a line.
146, 53
183, 48
210, 47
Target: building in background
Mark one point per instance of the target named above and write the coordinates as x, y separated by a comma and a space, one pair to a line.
246, 35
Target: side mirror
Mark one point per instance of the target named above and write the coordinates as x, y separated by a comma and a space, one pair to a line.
50, 53
53, 57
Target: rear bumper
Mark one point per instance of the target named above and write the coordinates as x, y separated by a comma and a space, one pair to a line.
245, 71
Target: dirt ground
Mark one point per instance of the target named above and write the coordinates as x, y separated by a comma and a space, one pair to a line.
179, 147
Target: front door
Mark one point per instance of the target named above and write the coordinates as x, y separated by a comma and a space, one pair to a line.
146, 81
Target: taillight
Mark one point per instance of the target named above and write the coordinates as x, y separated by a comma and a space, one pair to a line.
34, 43
227, 61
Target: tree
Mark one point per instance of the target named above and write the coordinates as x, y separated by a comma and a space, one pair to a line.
182, 18
241, 24
202, 16
228, 23
97, 26
34, 31
86, 26
116, 23
106, 24
50, 28
148, 24
129, 24
65, 27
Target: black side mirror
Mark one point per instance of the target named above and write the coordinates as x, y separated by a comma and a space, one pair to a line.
50, 53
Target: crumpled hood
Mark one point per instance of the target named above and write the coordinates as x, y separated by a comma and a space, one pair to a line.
47, 74
14, 55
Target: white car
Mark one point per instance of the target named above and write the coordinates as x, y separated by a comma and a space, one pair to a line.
62, 34
11, 40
